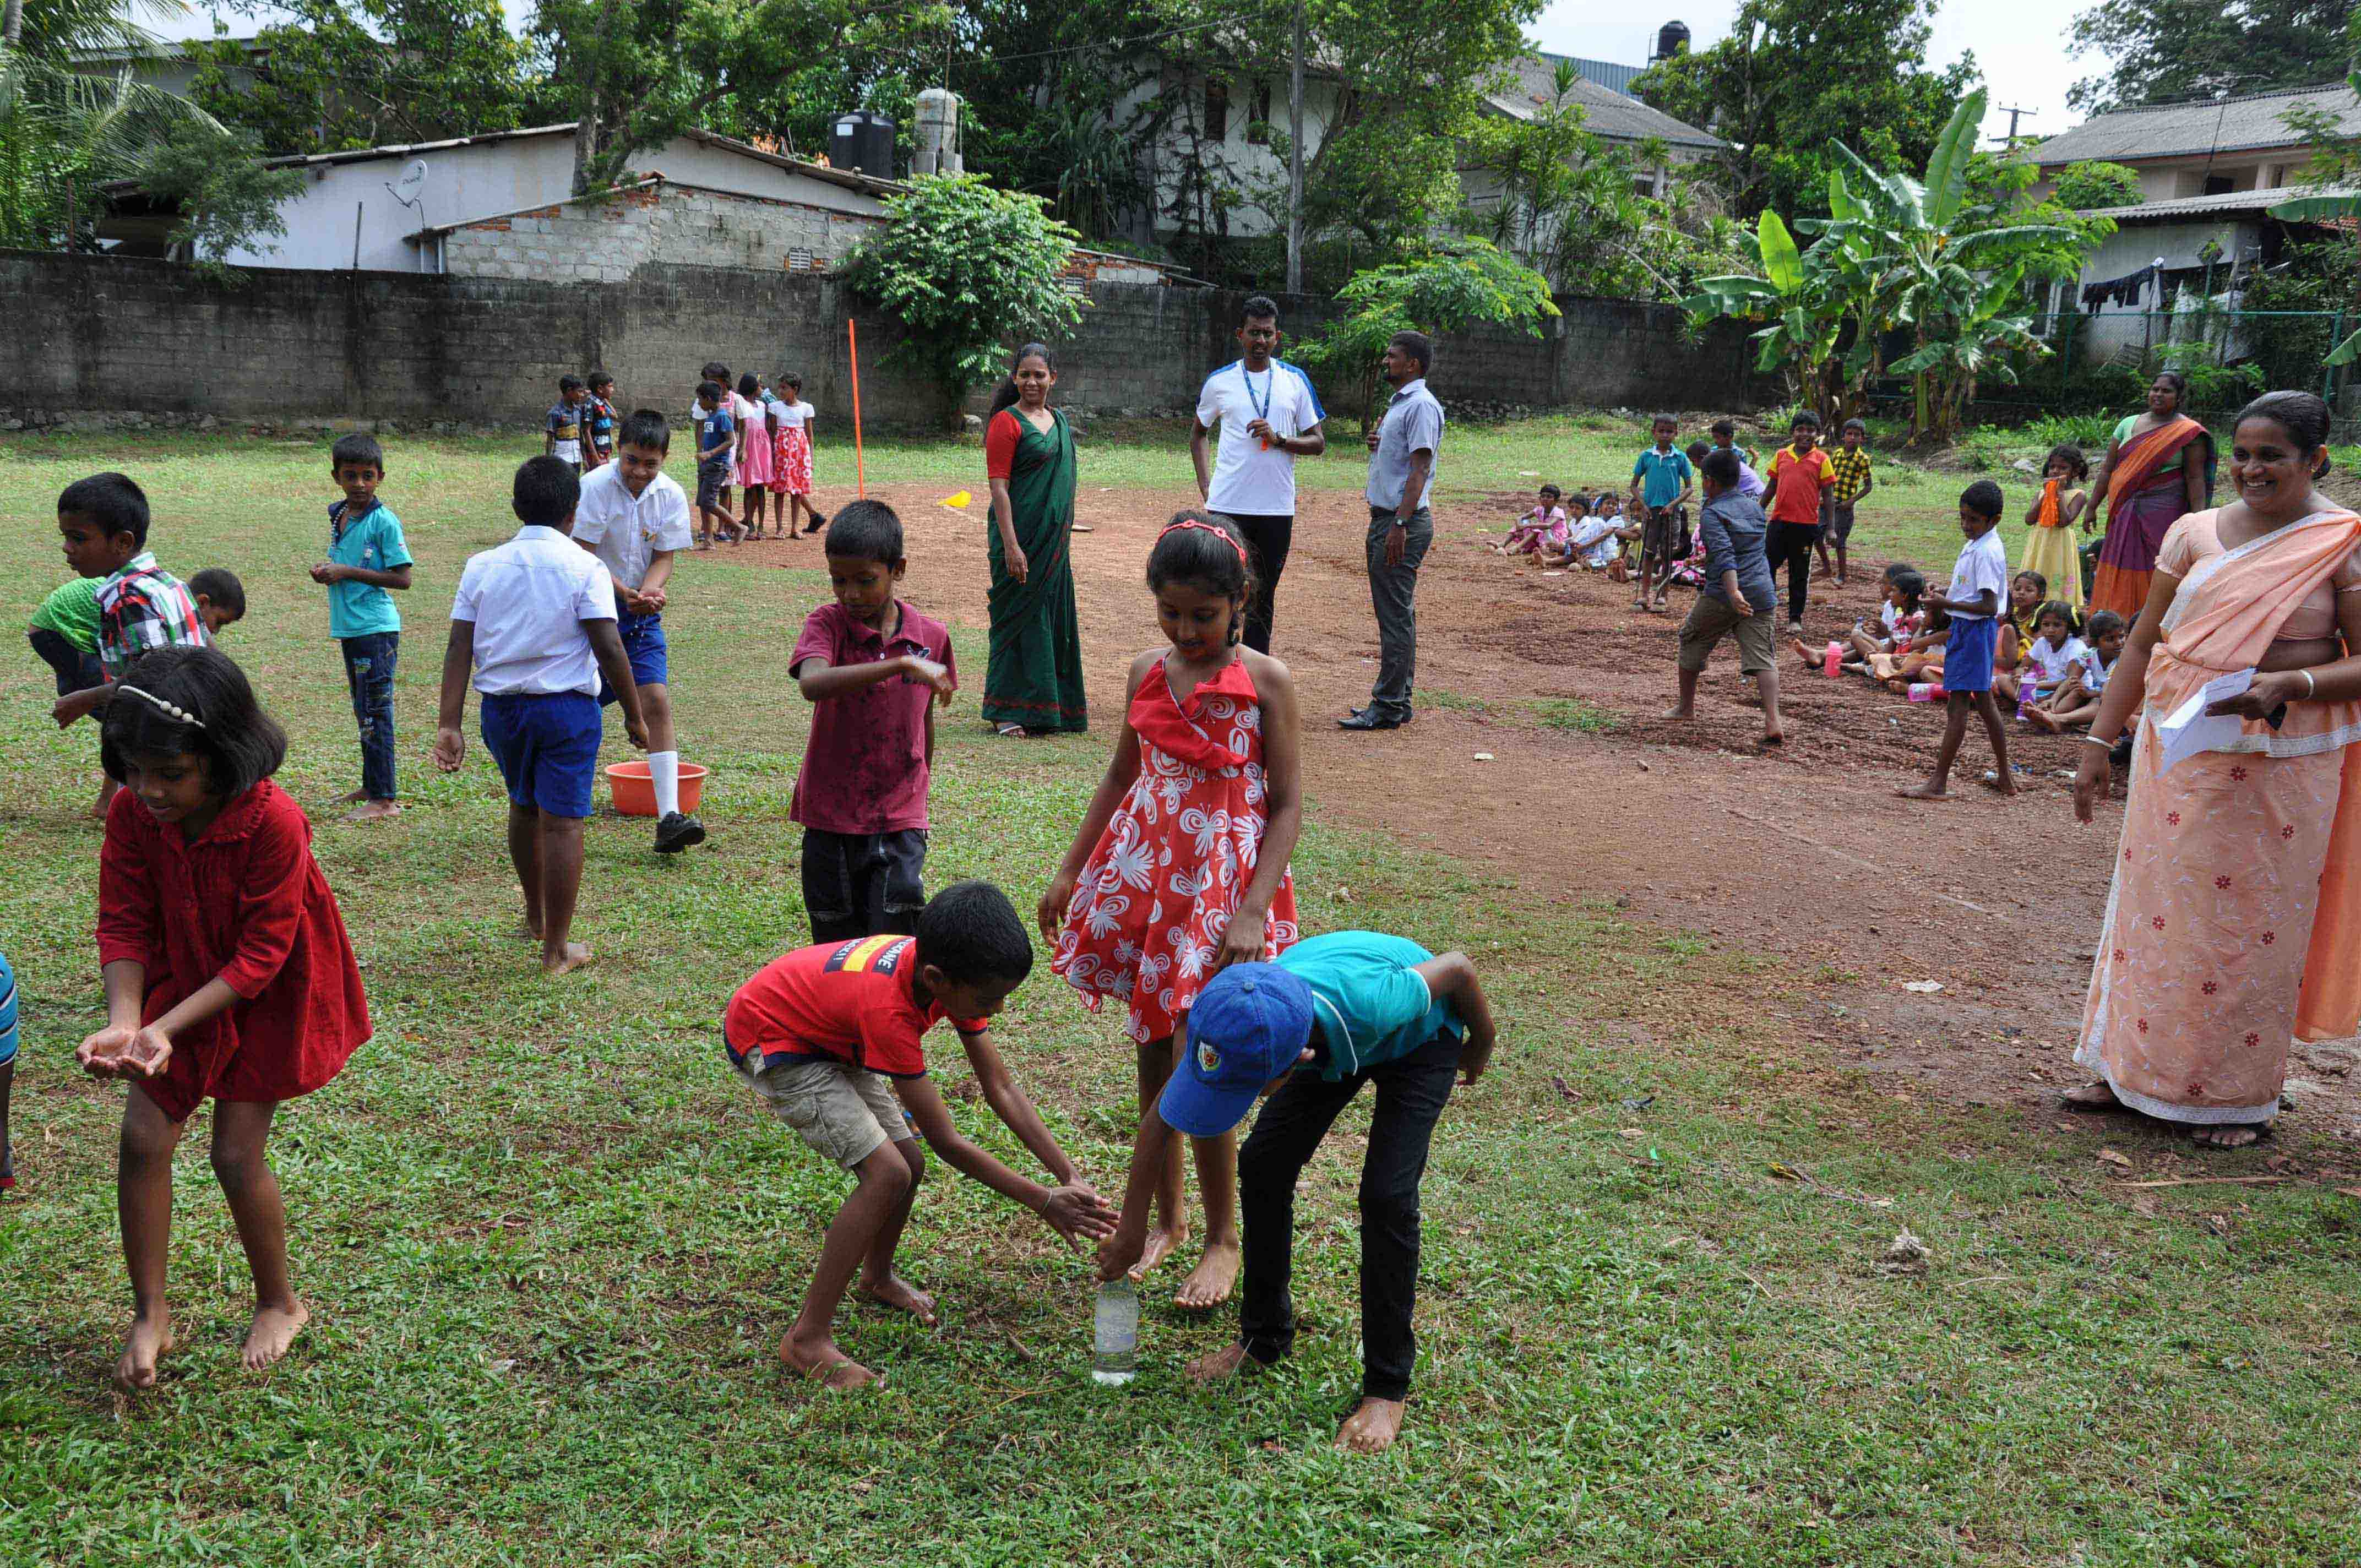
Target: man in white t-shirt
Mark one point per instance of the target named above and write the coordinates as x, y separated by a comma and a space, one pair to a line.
1268, 416
633, 516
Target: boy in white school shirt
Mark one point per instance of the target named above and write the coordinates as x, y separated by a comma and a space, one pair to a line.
535, 618
1268, 416
1979, 591
633, 516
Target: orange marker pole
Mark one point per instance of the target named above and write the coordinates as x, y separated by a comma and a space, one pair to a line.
859, 473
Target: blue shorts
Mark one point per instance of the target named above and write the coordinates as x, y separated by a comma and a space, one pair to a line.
644, 645
7, 1013
1968, 654
547, 746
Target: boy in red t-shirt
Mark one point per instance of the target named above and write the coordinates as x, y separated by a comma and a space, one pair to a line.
818, 1033
1797, 475
873, 669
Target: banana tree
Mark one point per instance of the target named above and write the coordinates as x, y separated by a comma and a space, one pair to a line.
1796, 294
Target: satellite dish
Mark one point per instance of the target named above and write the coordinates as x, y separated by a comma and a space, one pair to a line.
413, 179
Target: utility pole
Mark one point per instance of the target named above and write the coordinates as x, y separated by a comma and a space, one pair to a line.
1295, 163
2014, 116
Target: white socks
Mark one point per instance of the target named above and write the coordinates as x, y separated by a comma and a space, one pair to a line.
664, 770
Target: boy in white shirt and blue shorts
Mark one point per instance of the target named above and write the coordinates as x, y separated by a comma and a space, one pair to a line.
1978, 593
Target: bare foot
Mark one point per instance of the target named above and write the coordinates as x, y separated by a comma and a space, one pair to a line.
1999, 783
373, 811
1924, 792
1775, 738
2090, 1097
149, 1340
1230, 1361
1680, 713
576, 956
2042, 718
1160, 1245
2236, 1136
1209, 1283
1372, 1426
274, 1330
899, 1294
821, 1360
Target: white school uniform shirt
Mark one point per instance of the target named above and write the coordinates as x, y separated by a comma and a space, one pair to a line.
624, 529
2094, 674
1982, 564
1594, 540
2056, 663
1247, 480
538, 590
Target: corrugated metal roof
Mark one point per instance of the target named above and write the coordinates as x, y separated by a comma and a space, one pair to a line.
1607, 112
1606, 72
2209, 206
2182, 130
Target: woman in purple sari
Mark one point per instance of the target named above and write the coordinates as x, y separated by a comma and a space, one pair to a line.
2159, 465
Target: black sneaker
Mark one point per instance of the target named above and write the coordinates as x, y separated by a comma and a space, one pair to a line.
677, 832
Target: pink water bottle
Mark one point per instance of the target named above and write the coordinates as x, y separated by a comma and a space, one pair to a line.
1833, 660
1925, 691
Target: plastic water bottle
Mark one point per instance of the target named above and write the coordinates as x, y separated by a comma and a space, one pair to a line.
1925, 691
1114, 1335
1832, 662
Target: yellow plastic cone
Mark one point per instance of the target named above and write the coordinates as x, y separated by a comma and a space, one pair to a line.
958, 502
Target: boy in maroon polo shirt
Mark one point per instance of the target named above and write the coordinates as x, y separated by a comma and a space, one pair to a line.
873, 669
829, 1038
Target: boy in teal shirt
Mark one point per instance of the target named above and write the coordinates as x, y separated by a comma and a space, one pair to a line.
1329, 1015
367, 555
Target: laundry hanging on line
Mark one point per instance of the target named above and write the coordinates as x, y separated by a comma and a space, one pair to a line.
2125, 291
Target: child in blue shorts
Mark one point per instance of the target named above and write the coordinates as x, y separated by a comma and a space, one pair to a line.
7, 1068
1979, 592
535, 618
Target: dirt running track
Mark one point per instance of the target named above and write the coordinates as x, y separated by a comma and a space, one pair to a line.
1806, 851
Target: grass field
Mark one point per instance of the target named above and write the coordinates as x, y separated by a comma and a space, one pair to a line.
550, 1247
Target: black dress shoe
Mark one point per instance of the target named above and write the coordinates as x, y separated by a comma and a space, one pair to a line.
677, 832
1369, 718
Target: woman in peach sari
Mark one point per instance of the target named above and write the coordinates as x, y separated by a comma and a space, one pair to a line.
2158, 467
2235, 920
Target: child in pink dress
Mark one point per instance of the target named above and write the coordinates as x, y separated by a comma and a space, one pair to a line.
1180, 867
753, 409
1543, 528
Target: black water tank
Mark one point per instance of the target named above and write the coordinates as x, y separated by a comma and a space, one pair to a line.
863, 140
1671, 38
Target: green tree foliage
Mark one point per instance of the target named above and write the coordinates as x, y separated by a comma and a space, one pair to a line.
2335, 159
2165, 50
2092, 185
334, 75
1794, 77
1570, 206
968, 268
227, 199
1946, 257
632, 76
1457, 283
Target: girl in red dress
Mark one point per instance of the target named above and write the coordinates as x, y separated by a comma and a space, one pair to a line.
228, 973
1180, 867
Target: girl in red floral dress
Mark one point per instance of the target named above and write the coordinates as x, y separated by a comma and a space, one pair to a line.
1180, 867
228, 973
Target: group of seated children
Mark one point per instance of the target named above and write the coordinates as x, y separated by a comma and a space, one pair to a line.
1570, 531
2053, 671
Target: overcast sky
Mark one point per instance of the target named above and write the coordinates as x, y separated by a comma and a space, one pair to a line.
2019, 44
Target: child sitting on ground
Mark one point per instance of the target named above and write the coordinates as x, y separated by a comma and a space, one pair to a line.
1917, 660
1309, 1029
2076, 701
1898, 618
2050, 658
1594, 543
2028, 592
831, 1038
1539, 529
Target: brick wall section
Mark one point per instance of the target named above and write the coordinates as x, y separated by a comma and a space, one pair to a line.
658, 225
148, 337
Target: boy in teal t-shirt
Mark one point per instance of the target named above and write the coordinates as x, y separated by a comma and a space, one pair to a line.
367, 555
1309, 1029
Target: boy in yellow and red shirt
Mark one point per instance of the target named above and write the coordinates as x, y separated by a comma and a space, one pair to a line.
829, 1038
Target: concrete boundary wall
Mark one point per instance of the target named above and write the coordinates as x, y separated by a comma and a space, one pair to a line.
148, 338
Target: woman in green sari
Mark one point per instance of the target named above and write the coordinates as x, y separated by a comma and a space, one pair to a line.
1033, 684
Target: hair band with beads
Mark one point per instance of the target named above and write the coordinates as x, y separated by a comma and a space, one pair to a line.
170, 710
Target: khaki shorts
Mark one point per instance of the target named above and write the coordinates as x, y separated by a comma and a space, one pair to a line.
844, 1112
1710, 620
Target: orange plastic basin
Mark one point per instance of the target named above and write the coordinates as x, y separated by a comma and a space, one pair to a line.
635, 792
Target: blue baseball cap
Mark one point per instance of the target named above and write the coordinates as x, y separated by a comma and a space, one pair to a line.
1246, 1027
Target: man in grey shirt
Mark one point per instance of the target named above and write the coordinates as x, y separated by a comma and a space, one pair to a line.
1401, 480
1738, 596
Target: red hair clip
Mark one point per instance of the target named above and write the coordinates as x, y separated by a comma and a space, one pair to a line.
1223, 534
